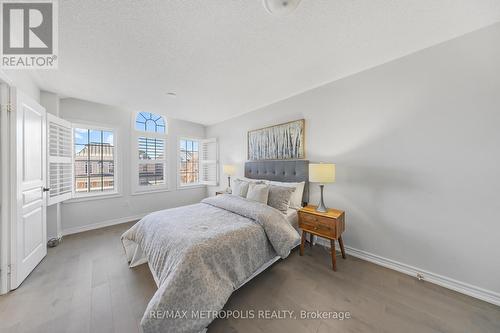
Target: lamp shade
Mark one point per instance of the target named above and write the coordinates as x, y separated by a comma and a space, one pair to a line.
229, 169
322, 173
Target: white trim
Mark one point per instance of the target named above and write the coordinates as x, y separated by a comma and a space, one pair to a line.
5, 194
156, 190
93, 196
102, 224
443, 281
191, 187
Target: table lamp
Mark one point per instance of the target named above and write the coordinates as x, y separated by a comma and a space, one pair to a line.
229, 170
321, 173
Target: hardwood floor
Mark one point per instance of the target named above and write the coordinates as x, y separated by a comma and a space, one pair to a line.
84, 285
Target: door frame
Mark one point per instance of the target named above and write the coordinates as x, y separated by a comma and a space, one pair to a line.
5, 184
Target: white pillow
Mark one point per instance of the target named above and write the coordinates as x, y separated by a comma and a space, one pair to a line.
258, 192
240, 188
296, 198
251, 180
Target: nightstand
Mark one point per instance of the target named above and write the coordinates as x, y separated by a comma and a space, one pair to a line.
221, 192
329, 225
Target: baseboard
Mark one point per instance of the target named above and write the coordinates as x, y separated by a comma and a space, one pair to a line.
103, 224
461, 287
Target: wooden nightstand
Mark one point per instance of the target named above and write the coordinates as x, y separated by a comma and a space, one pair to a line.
221, 192
328, 225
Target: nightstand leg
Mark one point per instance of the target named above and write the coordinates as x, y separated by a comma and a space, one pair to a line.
334, 256
311, 240
303, 240
341, 243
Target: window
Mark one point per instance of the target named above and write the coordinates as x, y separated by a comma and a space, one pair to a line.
189, 162
149, 152
149, 122
198, 162
94, 161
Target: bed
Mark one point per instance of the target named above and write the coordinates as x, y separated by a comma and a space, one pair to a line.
200, 254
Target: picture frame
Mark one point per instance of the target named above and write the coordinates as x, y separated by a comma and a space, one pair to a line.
277, 142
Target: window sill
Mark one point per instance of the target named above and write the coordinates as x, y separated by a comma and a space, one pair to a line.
141, 192
91, 197
190, 187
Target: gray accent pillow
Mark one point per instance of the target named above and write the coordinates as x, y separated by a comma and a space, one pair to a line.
279, 197
240, 188
296, 198
258, 192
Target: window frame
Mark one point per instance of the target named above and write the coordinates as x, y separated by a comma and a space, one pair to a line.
180, 185
81, 196
135, 161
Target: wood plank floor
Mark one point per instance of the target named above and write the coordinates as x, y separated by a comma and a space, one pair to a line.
84, 285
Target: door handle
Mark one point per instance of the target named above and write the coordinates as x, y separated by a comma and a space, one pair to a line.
45, 189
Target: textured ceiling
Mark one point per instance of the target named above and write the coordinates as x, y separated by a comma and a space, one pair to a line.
225, 58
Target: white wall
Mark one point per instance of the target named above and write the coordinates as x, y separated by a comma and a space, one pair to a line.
416, 143
23, 80
80, 215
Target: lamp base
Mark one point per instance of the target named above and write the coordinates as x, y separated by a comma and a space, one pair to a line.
321, 207
228, 189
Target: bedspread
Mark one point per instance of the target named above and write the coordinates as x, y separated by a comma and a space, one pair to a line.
201, 253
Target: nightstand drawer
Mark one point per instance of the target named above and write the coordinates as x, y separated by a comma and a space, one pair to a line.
329, 224
317, 224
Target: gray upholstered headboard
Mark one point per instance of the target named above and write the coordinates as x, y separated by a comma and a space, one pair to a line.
280, 171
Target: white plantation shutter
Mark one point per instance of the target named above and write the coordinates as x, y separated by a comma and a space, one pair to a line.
209, 162
59, 159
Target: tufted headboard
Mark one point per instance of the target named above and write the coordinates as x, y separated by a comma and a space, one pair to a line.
280, 171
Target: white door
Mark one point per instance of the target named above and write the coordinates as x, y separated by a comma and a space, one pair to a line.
29, 228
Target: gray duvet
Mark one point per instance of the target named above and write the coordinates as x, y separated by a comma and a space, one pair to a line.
199, 254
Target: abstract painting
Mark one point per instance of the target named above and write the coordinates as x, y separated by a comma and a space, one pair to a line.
279, 142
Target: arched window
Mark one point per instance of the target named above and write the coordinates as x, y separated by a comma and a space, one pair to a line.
150, 122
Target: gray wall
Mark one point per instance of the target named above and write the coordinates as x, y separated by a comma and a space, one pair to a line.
416, 143
80, 214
